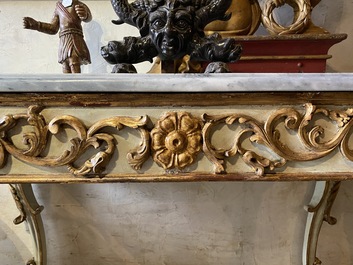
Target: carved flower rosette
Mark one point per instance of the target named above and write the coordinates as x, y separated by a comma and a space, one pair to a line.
176, 140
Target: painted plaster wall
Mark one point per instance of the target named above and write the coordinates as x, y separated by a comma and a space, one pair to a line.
169, 223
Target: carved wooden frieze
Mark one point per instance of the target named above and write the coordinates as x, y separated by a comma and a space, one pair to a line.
37, 141
176, 140
310, 137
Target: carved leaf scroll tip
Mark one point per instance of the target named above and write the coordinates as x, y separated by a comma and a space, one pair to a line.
317, 261
259, 163
330, 219
96, 164
138, 156
31, 262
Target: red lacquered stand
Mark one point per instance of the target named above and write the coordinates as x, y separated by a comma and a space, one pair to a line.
303, 53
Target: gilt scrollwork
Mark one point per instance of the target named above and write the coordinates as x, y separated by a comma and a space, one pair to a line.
309, 137
30, 211
319, 210
176, 139
38, 140
249, 125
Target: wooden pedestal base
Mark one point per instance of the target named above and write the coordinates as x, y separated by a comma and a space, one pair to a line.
285, 54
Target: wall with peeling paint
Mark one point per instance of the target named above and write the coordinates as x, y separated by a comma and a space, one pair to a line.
166, 223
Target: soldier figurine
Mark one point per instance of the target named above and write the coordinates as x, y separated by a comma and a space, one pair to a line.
67, 17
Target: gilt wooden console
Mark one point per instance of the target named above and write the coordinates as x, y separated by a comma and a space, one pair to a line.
169, 128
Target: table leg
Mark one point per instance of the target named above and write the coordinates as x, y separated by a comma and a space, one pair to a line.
30, 212
319, 210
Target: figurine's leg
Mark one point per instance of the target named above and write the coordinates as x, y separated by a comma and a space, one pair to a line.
76, 68
30, 211
319, 210
66, 67
75, 64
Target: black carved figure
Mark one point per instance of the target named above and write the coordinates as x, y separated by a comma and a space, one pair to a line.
124, 68
217, 67
171, 29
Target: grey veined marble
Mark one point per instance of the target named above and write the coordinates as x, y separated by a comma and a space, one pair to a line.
176, 82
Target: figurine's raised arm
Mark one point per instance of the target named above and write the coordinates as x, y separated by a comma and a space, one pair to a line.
83, 12
30, 23
48, 28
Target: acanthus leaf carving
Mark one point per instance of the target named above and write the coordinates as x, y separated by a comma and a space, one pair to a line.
248, 125
37, 140
177, 138
267, 134
141, 153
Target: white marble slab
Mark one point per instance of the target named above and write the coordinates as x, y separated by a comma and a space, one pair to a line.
176, 82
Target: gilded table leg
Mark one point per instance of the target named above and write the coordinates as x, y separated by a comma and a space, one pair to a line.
30, 211
319, 210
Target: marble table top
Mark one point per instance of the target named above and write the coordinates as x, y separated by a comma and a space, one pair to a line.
177, 82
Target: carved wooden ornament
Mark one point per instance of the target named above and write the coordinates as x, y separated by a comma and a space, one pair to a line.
177, 138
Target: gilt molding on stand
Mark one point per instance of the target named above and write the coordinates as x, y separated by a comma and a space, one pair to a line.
30, 212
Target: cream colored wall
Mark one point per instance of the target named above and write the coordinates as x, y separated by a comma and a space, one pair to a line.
167, 223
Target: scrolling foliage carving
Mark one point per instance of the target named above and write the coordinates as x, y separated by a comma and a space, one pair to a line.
37, 141
177, 138
310, 137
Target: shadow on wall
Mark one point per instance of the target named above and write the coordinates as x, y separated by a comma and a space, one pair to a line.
94, 33
12, 246
173, 223
328, 14
342, 232
347, 216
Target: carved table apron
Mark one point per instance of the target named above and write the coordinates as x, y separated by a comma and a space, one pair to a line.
169, 128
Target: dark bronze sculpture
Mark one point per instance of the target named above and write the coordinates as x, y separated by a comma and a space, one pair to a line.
217, 67
171, 29
68, 14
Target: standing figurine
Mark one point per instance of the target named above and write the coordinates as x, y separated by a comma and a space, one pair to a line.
67, 17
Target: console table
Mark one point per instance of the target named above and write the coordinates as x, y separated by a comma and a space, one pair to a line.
176, 128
